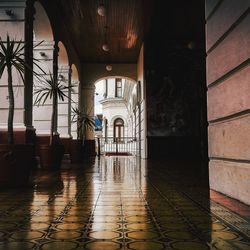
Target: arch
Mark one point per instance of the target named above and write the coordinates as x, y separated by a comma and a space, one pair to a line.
74, 74
63, 59
115, 76
42, 31
119, 122
42, 25
117, 117
94, 72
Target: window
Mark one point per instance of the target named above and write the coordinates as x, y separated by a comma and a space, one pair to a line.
118, 129
118, 87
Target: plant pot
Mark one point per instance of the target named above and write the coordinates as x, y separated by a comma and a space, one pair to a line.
16, 162
51, 156
76, 151
89, 149
41, 140
66, 143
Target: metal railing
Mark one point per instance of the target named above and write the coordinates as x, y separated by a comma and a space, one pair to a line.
111, 145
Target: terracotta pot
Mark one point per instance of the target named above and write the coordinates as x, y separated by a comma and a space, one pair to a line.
51, 156
76, 151
16, 162
41, 140
66, 143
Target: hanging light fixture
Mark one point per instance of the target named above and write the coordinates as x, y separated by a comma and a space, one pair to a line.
101, 10
105, 47
109, 67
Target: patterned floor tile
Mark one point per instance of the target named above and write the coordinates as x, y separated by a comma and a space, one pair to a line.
104, 235
184, 245
101, 245
139, 206
146, 245
59, 245
17, 245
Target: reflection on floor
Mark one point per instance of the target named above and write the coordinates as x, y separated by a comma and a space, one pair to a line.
119, 203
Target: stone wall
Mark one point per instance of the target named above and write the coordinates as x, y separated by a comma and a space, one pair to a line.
228, 82
12, 22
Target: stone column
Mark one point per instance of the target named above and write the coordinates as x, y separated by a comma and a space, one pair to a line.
28, 74
87, 107
138, 104
69, 103
55, 76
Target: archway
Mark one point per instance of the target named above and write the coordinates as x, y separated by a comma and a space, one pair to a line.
74, 99
44, 52
117, 96
64, 78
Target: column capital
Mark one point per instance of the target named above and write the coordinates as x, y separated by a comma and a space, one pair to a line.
88, 87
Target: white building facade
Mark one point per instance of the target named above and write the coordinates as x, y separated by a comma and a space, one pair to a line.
119, 115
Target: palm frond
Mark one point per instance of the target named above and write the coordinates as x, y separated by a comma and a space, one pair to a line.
47, 88
2, 67
14, 52
18, 49
2, 45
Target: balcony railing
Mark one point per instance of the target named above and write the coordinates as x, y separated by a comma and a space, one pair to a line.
120, 146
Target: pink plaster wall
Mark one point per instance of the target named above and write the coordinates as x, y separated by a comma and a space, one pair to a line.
228, 80
226, 15
231, 178
231, 96
230, 139
231, 52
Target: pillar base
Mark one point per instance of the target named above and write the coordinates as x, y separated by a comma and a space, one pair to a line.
89, 148
30, 135
30, 138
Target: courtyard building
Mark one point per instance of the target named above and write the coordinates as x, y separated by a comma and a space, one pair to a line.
124, 124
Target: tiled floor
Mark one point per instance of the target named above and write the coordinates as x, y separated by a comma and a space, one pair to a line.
120, 203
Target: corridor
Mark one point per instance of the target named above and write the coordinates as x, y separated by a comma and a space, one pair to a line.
121, 203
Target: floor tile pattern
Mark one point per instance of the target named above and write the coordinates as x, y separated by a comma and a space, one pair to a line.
117, 203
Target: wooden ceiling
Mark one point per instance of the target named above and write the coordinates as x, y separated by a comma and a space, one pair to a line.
122, 27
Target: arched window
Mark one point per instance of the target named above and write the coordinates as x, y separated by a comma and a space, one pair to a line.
118, 129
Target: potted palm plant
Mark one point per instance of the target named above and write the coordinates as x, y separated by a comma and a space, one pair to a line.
51, 88
15, 159
84, 122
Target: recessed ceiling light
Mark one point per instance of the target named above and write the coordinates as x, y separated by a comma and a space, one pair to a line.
101, 10
105, 47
